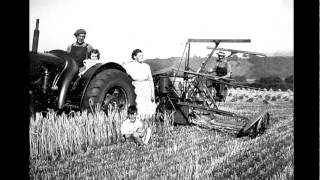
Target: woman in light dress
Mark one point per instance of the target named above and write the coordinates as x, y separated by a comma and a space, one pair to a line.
142, 81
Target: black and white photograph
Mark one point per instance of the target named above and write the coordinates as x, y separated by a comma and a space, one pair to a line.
170, 89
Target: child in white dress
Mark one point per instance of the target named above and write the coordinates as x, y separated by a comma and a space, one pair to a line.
94, 58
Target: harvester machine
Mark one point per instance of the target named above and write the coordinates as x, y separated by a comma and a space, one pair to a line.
185, 93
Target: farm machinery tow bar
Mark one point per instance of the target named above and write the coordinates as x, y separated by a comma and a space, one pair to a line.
196, 103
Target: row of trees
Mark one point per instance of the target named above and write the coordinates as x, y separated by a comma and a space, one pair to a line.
273, 82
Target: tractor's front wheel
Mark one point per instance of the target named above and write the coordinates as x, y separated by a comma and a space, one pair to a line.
109, 88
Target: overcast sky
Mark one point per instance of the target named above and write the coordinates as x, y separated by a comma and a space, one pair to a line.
161, 28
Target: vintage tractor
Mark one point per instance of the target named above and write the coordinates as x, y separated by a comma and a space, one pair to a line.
55, 83
187, 95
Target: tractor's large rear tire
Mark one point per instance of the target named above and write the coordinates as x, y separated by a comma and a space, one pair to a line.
110, 88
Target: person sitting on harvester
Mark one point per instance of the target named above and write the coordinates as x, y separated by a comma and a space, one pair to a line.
223, 70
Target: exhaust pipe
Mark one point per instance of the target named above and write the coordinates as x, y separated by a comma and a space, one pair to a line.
35, 38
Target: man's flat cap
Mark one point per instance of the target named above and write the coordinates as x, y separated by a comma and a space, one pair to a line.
80, 31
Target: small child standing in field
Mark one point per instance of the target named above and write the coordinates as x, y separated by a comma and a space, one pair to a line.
134, 128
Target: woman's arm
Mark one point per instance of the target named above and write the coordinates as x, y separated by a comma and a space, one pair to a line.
151, 83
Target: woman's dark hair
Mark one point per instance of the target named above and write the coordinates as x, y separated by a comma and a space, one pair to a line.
94, 51
135, 52
132, 110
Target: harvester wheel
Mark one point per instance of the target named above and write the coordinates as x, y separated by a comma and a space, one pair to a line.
110, 88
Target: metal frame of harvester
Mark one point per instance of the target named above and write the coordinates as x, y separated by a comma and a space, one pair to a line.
195, 99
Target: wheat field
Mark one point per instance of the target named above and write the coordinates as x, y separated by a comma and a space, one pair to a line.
89, 146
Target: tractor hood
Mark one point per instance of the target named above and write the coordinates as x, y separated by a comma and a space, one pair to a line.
39, 60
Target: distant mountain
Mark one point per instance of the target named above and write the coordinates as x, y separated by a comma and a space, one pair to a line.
253, 67
159, 66
257, 67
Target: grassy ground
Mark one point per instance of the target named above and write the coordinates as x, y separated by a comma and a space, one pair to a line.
186, 152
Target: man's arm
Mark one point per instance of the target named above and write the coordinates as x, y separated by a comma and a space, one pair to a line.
69, 48
229, 71
89, 48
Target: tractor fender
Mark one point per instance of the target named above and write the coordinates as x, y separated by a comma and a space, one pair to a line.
69, 71
85, 79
